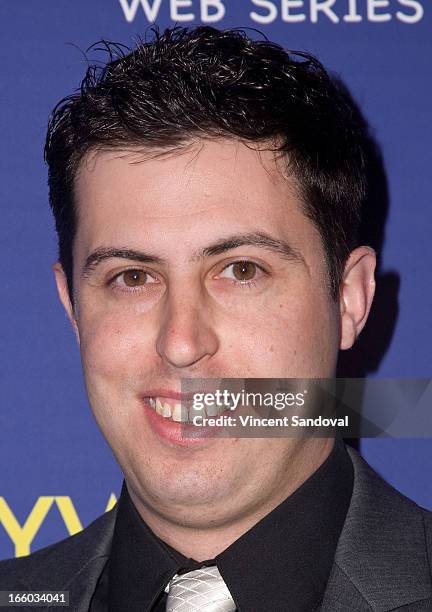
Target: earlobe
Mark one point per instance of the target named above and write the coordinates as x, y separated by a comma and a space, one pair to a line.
356, 295
63, 292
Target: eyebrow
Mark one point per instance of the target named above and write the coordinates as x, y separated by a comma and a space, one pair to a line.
258, 239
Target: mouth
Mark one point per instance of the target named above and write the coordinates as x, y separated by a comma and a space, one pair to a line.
182, 410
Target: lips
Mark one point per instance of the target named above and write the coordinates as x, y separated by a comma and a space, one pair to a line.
163, 407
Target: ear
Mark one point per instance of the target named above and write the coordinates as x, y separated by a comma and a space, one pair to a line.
356, 294
63, 292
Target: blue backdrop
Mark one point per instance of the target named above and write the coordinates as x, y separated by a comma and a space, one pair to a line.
57, 473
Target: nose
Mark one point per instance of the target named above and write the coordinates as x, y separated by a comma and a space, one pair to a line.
186, 333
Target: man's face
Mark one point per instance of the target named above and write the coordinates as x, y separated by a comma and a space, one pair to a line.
185, 307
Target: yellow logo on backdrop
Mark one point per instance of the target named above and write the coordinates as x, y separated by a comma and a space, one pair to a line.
23, 536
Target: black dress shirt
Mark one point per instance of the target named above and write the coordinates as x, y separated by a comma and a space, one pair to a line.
282, 564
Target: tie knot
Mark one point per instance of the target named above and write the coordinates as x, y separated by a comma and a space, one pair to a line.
202, 590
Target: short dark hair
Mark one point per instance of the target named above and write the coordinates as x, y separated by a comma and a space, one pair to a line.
190, 82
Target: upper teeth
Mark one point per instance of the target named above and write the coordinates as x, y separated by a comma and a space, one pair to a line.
181, 413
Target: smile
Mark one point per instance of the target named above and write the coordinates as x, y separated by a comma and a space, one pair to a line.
182, 412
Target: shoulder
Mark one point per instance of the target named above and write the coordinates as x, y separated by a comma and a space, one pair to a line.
427, 518
381, 502
53, 566
383, 557
384, 526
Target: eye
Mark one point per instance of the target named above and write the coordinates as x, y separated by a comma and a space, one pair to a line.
242, 271
134, 278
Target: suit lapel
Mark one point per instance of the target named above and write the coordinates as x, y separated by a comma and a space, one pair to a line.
83, 585
381, 558
78, 563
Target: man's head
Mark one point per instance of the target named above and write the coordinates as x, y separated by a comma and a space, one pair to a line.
190, 84
207, 192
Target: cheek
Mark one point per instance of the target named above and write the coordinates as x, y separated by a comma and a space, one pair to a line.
112, 347
114, 361
287, 338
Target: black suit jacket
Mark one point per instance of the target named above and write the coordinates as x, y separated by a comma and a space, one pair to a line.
383, 559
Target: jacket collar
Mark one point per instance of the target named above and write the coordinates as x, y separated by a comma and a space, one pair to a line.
381, 559
86, 554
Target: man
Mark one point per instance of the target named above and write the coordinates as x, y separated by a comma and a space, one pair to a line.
207, 191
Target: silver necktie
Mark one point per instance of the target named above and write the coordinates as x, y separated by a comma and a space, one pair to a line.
200, 590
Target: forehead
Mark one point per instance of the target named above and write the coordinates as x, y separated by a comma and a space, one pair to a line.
205, 168
204, 190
